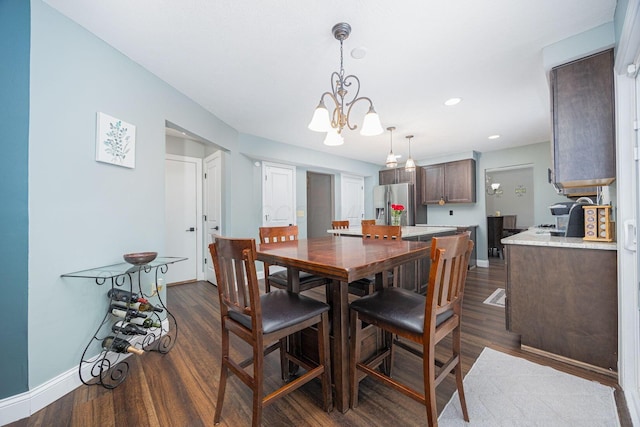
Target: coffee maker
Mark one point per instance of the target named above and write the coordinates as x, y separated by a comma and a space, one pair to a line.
569, 217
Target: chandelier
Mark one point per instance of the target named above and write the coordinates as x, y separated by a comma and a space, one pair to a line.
340, 117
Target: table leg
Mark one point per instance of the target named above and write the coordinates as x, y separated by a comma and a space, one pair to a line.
293, 341
293, 280
340, 299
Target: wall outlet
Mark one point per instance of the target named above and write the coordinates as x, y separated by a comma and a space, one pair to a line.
451, 213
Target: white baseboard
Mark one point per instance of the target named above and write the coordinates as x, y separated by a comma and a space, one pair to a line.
25, 404
482, 263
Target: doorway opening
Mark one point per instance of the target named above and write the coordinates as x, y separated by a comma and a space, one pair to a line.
320, 203
192, 202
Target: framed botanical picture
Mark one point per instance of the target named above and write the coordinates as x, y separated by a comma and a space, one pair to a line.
115, 141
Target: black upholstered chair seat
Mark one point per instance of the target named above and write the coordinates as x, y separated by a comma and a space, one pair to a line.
280, 278
398, 307
281, 309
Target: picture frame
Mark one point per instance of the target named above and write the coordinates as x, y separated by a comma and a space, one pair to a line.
115, 141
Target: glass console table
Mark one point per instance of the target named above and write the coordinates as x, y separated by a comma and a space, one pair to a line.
103, 361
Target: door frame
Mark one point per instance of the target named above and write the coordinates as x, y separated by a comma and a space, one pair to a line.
198, 197
314, 213
206, 258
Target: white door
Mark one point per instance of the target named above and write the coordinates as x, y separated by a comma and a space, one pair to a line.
183, 189
212, 208
278, 194
352, 199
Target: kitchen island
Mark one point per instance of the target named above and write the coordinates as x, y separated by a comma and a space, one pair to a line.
414, 275
409, 232
562, 298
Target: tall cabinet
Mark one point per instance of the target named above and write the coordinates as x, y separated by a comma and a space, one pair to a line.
582, 94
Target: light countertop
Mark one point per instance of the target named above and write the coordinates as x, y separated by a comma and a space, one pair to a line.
541, 237
408, 231
453, 225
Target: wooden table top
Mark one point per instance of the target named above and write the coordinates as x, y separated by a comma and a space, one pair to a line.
342, 258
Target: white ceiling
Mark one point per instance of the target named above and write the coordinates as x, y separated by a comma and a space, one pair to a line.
261, 66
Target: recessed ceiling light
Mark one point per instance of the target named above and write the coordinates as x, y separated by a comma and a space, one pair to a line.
359, 52
452, 101
496, 136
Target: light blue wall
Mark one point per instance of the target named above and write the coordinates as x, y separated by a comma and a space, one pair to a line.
84, 213
538, 155
14, 222
256, 148
584, 44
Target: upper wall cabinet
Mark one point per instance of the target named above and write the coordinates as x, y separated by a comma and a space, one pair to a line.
399, 176
453, 182
582, 100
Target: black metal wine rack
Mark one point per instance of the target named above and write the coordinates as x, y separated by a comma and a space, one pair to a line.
106, 366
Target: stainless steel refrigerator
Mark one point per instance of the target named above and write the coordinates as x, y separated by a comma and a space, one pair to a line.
398, 194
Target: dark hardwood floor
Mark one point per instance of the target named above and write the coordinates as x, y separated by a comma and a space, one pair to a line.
179, 388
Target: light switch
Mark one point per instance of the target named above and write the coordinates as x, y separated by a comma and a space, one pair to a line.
300, 213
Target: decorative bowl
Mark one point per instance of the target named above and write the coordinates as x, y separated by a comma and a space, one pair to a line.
140, 258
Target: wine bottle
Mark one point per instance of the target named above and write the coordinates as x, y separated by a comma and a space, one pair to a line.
140, 305
122, 295
120, 346
149, 307
145, 323
127, 329
125, 313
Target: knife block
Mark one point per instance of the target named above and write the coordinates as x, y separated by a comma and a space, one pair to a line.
597, 223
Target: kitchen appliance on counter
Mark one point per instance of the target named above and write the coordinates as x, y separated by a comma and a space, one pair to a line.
569, 217
396, 194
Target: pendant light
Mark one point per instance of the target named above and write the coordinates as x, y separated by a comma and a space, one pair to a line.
342, 101
410, 166
392, 162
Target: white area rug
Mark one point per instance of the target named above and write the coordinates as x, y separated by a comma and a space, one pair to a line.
496, 298
504, 390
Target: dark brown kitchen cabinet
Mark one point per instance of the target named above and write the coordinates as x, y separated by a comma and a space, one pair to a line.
582, 100
399, 176
452, 182
564, 301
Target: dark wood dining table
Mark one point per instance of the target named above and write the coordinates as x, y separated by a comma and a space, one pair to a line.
343, 260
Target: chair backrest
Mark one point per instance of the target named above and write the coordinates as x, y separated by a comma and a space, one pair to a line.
381, 231
509, 222
367, 222
278, 234
495, 225
449, 261
340, 225
234, 264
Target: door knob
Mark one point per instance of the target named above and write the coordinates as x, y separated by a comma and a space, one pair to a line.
216, 228
191, 229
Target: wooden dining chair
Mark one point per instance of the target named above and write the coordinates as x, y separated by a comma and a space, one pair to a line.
495, 227
366, 286
339, 225
373, 231
419, 319
278, 279
264, 322
367, 222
